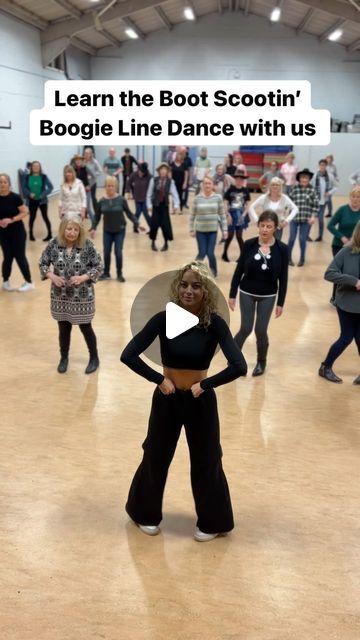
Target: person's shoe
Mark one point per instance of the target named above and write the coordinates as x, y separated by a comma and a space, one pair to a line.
164, 247
291, 263
357, 380
153, 246
136, 230
328, 374
328, 215
149, 529
225, 258
48, 237
31, 237
259, 369
26, 286
120, 278
222, 241
63, 365
186, 206
301, 263
333, 302
7, 286
201, 536
93, 365
309, 239
105, 276
318, 239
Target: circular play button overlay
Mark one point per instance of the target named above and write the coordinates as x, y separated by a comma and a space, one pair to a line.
155, 296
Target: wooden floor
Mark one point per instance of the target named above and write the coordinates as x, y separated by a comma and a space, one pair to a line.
72, 565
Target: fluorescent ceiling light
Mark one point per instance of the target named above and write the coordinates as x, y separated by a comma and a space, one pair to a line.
335, 35
189, 14
275, 14
131, 33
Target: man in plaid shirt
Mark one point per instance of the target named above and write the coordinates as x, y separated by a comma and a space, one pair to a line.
307, 201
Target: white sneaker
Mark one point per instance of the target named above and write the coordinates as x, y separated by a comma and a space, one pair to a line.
201, 536
27, 286
150, 530
7, 286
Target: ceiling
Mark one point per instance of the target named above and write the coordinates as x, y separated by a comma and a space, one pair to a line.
91, 26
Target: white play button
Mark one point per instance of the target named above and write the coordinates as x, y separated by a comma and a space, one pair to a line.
178, 320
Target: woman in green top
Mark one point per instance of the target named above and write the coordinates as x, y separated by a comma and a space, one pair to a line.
343, 223
37, 187
207, 213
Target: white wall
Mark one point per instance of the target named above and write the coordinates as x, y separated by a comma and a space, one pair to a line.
22, 80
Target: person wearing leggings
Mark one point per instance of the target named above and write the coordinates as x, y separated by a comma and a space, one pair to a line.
344, 270
237, 198
185, 396
76, 267
13, 235
37, 188
261, 273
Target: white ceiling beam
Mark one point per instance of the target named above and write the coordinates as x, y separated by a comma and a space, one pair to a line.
336, 25
69, 8
110, 38
74, 27
23, 14
305, 21
52, 50
354, 45
131, 25
190, 3
163, 17
84, 46
335, 7
247, 7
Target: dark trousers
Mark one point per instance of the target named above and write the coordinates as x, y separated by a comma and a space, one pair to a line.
179, 189
334, 250
160, 219
13, 242
125, 178
142, 208
228, 241
321, 214
65, 334
210, 489
206, 247
34, 205
263, 308
349, 331
93, 197
118, 240
303, 228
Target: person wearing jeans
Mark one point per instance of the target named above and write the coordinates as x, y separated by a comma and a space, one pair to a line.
306, 199
344, 271
113, 207
207, 213
136, 186
325, 187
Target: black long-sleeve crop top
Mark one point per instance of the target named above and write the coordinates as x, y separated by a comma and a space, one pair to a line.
193, 349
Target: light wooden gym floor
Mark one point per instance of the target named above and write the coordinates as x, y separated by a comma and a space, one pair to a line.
72, 565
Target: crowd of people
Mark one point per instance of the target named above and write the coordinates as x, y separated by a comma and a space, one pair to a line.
184, 394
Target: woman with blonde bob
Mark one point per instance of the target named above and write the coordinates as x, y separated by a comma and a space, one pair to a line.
344, 271
185, 395
275, 200
72, 194
76, 266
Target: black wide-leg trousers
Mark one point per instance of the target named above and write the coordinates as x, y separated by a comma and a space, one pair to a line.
209, 485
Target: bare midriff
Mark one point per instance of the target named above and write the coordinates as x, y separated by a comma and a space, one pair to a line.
184, 378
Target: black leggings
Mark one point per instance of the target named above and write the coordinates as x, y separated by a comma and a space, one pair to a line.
12, 242
239, 238
263, 308
65, 333
34, 205
349, 331
210, 489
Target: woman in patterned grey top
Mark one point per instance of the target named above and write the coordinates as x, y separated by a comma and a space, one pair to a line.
207, 213
76, 266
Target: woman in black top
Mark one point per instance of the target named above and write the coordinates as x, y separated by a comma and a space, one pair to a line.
13, 234
185, 396
113, 207
261, 273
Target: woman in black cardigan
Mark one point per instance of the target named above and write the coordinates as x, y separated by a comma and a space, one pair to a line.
261, 273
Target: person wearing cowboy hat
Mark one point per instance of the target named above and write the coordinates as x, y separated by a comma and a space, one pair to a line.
82, 174
157, 200
237, 198
304, 196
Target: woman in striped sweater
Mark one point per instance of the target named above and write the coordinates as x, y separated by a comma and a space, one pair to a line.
207, 212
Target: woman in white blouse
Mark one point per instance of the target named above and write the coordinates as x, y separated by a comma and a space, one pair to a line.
275, 200
72, 194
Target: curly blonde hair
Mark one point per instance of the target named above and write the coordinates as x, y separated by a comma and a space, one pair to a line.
210, 299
